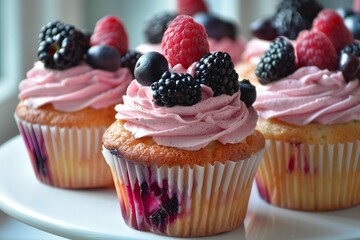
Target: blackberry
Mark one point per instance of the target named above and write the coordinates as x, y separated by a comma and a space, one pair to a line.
289, 23
308, 9
61, 46
129, 60
352, 48
176, 89
157, 25
277, 62
216, 70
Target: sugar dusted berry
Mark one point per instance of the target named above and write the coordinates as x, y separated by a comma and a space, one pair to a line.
216, 70
185, 41
103, 57
277, 62
248, 92
150, 67
176, 89
110, 31
129, 60
332, 25
61, 45
313, 48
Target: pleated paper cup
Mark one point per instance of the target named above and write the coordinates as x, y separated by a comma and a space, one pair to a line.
183, 201
66, 157
310, 177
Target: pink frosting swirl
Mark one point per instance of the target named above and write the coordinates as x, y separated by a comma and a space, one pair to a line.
75, 88
254, 49
233, 47
310, 95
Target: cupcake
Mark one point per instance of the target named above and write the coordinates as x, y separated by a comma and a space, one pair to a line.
289, 18
67, 101
183, 150
310, 117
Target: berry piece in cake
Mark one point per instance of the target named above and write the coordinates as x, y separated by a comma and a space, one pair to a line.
61, 46
289, 23
103, 57
157, 25
349, 65
129, 60
248, 92
332, 25
216, 27
277, 62
313, 48
110, 31
150, 67
190, 7
263, 28
176, 89
185, 41
216, 70
353, 24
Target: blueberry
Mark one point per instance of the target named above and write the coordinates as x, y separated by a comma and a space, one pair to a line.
248, 92
344, 12
216, 27
349, 65
352, 22
150, 67
103, 57
263, 29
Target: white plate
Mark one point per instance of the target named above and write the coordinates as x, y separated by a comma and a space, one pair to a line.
96, 213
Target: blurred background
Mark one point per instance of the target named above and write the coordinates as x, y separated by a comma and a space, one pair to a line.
21, 20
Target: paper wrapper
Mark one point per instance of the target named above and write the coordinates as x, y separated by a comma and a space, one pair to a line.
183, 202
310, 177
66, 157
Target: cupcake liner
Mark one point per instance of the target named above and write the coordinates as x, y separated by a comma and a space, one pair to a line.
183, 201
66, 157
311, 177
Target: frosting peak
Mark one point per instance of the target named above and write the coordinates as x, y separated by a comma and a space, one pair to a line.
310, 95
75, 88
224, 118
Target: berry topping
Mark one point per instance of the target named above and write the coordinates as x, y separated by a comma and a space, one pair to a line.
332, 25
248, 92
61, 46
313, 48
190, 7
353, 49
289, 23
349, 66
103, 57
110, 31
216, 70
156, 26
263, 29
176, 89
216, 27
277, 62
184, 42
150, 67
353, 24
129, 60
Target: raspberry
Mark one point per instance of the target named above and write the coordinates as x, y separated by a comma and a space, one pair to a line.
313, 48
184, 42
277, 62
216, 70
176, 89
110, 31
190, 7
332, 25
